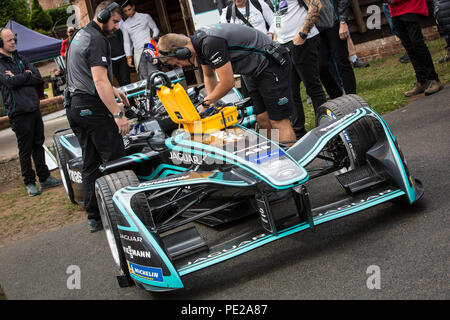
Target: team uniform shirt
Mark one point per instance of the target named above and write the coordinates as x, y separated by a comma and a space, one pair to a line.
241, 45
255, 17
89, 48
291, 19
136, 32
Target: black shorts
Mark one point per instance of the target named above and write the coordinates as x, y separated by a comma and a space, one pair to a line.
271, 91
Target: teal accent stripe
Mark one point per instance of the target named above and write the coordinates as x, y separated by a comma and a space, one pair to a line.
160, 168
63, 140
138, 157
197, 14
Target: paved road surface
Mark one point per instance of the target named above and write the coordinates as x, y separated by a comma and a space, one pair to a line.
409, 245
53, 122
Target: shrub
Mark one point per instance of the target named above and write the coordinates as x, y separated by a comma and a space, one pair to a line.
59, 15
40, 19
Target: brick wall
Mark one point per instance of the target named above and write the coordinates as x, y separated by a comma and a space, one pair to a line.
388, 46
49, 4
83, 12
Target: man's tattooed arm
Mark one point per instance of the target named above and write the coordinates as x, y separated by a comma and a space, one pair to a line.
314, 7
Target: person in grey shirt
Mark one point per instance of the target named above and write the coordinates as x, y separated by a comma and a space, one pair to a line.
94, 115
136, 33
226, 49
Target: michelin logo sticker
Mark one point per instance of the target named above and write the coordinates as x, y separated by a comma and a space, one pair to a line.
147, 273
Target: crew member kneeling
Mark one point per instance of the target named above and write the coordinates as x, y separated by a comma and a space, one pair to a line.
230, 49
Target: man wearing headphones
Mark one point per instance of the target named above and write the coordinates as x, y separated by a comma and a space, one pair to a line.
228, 49
94, 115
18, 82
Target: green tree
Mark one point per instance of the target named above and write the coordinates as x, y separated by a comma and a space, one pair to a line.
16, 10
40, 19
22, 12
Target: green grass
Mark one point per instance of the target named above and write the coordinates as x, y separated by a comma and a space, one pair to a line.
384, 83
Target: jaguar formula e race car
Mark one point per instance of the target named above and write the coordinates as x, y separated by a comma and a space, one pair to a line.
203, 188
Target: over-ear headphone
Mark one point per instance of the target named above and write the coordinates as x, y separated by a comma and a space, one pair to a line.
181, 53
104, 15
1, 39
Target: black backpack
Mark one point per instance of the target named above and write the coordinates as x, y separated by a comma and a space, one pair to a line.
257, 5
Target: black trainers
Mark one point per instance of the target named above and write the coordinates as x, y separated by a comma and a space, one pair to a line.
32, 190
95, 225
50, 183
446, 57
405, 58
360, 64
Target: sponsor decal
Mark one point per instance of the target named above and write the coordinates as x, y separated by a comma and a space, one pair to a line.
85, 112
181, 157
338, 122
357, 203
255, 149
282, 101
130, 238
223, 251
215, 59
126, 141
75, 176
347, 138
136, 253
148, 273
159, 181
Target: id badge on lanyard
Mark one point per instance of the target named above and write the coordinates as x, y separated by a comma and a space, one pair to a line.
277, 14
277, 20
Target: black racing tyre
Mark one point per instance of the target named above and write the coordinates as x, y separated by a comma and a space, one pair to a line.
360, 136
105, 187
62, 164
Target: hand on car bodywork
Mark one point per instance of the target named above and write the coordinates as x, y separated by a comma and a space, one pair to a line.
123, 125
119, 94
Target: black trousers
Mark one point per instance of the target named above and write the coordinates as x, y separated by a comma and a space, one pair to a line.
271, 90
332, 45
100, 142
121, 71
305, 67
410, 33
29, 130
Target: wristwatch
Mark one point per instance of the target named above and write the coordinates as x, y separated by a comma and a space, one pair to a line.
303, 35
119, 115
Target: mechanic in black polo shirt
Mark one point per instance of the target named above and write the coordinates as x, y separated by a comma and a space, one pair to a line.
228, 49
94, 115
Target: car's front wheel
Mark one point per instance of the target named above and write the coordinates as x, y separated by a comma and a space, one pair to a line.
105, 187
